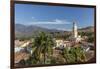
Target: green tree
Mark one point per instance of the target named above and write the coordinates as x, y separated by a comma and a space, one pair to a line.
43, 43
74, 55
90, 39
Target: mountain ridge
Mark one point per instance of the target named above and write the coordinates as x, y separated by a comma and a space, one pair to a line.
26, 31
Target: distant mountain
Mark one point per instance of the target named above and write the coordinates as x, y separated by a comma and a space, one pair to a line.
87, 29
25, 31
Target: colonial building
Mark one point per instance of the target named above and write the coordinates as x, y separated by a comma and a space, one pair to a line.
75, 38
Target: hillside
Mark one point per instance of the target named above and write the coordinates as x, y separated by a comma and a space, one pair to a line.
30, 30
27, 31
87, 29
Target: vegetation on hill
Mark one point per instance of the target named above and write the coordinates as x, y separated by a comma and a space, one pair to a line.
43, 52
74, 55
42, 48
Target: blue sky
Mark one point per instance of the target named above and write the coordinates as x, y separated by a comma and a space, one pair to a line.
53, 17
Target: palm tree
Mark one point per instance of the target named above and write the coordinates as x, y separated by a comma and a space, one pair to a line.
74, 55
46, 45
69, 55
80, 54
43, 44
48, 48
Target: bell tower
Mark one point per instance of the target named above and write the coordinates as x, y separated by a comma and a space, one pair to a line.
75, 33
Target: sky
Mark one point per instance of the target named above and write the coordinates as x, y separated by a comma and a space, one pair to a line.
53, 17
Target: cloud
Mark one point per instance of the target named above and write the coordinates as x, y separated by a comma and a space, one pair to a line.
56, 21
33, 17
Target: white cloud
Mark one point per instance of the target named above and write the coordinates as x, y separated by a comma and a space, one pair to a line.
56, 21
64, 29
33, 17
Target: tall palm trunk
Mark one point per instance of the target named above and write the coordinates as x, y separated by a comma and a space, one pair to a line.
44, 58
